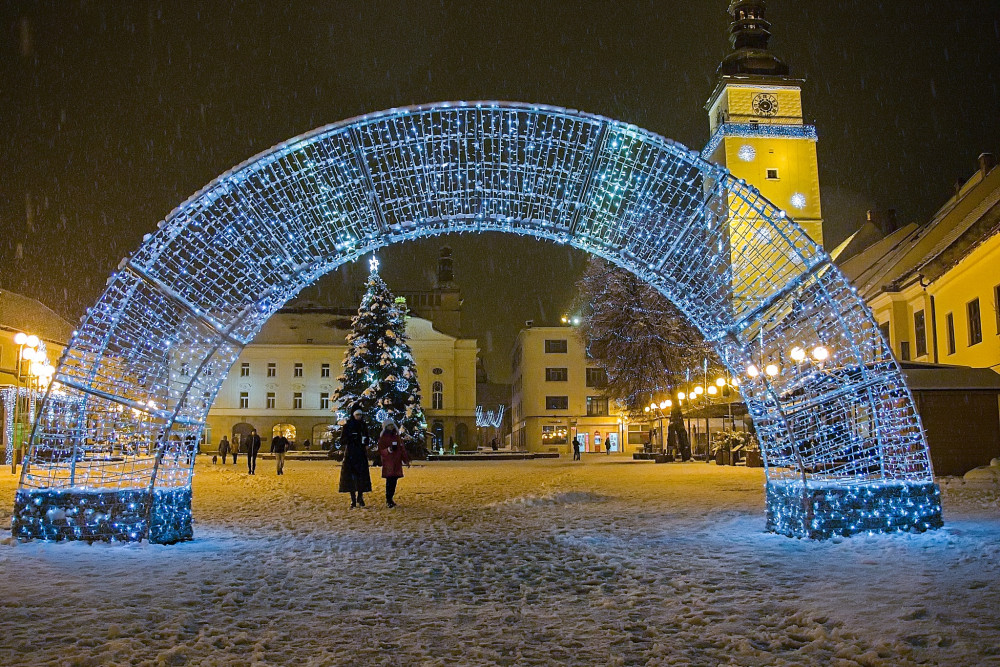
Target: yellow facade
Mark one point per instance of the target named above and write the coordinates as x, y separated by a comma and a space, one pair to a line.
974, 277
760, 137
977, 276
554, 399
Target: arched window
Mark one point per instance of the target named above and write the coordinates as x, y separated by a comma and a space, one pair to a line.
437, 396
240, 431
287, 430
324, 435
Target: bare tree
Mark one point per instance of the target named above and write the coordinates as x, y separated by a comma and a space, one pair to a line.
642, 341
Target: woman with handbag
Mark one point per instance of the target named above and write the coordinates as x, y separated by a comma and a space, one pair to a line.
354, 476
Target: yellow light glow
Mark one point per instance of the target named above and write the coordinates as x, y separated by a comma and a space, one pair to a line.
681, 395
28, 354
646, 409
20, 338
820, 353
664, 404
712, 391
752, 371
699, 390
798, 354
721, 382
669, 403
32, 341
771, 369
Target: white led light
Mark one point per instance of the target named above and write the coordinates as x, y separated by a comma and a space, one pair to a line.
732, 262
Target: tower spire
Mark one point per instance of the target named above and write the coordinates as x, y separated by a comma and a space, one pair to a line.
749, 33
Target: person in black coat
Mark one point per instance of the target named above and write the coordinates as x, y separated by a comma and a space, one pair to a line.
354, 475
251, 445
279, 445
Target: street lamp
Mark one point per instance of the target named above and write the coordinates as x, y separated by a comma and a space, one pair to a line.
34, 371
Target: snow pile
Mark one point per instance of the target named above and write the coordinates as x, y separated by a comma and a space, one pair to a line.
608, 562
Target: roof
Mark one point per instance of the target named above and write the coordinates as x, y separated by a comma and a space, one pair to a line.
928, 250
310, 325
868, 235
22, 313
926, 377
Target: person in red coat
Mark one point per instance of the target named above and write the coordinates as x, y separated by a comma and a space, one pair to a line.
393, 453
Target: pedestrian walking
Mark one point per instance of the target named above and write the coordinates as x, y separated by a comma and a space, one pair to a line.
224, 449
355, 478
394, 455
576, 450
251, 445
234, 446
279, 445
607, 446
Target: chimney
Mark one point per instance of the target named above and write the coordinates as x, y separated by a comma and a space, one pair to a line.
885, 221
986, 163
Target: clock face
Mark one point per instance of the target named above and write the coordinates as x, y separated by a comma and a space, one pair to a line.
765, 104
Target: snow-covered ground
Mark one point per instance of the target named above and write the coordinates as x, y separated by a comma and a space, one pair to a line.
541, 562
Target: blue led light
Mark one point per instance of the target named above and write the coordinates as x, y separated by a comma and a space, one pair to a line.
122, 436
757, 131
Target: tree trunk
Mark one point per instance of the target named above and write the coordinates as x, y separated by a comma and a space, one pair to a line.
676, 433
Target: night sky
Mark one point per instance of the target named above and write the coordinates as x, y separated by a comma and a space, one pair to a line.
113, 113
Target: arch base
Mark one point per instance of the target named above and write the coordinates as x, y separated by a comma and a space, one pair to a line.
828, 509
128, 515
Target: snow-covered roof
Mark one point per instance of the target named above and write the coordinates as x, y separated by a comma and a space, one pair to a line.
22, 313
328, 326
956, 229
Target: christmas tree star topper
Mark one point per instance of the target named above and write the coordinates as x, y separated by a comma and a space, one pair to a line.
373, 265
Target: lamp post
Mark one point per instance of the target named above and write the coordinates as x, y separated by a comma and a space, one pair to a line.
33, 371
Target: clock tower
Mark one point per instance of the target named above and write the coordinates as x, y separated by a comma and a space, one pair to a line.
758, 132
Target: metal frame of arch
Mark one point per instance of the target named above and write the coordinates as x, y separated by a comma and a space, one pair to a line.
114, 457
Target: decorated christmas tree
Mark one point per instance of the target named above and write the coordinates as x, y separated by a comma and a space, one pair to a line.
379, 374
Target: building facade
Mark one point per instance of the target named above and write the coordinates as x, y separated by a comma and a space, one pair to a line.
285, 379
558, 395
21, 314
934, 288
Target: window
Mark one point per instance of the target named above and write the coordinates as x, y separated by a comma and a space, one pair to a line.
556, 375
437, 396
884, 330
324, 401
298, 369
557, 402
244, 400
950, 323
596, 377
904, 350
185, 369
297, 400
996, 306
975, 323
270, 400
558, 346
244, 370
920, 332
553, 435
324, 370
597, 406
638, 434
272, 369
772, 174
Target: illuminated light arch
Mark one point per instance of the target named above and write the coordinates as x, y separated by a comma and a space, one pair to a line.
842, 443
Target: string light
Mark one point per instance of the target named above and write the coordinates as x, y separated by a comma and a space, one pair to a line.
143, 367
